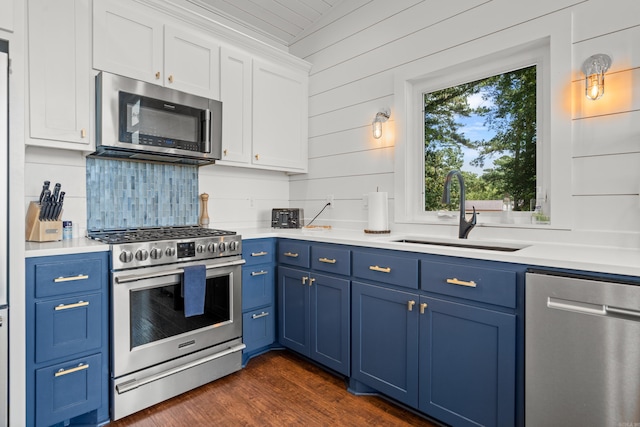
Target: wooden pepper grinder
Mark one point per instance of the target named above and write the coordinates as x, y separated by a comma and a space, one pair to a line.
204, 210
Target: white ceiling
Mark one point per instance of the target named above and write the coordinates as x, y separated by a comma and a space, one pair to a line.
280, 20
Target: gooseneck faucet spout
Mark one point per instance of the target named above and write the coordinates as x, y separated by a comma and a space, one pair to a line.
465, 226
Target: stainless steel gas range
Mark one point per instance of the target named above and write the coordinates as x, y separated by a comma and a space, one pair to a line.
157, 351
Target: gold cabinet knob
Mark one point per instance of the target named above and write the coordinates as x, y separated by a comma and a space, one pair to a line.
225, 152
423, 307
83, 133
158, 75
170, 78
410, 305
257, 156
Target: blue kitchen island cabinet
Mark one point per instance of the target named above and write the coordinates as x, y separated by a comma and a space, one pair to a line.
314, 308
258, 294
67, 340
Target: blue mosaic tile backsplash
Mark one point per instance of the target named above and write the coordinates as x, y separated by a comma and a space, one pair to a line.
123, 194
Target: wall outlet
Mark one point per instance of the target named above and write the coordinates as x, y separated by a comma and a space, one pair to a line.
330, 200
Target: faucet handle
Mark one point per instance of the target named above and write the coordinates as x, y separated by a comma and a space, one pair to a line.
473, 217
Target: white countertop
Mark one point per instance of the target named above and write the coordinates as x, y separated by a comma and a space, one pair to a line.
598, 259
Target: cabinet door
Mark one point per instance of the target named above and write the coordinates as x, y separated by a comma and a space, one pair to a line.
293, 309
257, 286
280, 119
330, 326
191, 63
235, 94
60, 80
258, 328
127, 41
385, 340
467, 364
6, 17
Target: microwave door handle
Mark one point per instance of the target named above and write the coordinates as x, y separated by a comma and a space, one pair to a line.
207, 130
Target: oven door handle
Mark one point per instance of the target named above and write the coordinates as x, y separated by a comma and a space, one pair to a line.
133, 384
142, 276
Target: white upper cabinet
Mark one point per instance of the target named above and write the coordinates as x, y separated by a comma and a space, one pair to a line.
235, 94
131, 42
60, 78
6, 15
280, 118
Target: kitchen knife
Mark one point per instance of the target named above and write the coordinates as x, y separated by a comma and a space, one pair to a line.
44, 205
45, 187
58, 206
56, 192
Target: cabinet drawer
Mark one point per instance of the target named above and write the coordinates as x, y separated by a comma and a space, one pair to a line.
63, 277
259, 251
482, 284
331, 260
385, 268
68, 325
293, 253
258, 328
258, 282
68, 389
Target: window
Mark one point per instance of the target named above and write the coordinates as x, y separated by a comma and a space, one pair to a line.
487, 130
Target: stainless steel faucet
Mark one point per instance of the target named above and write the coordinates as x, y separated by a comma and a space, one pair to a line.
465, 226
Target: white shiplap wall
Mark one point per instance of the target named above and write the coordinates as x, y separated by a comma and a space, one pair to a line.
355, 61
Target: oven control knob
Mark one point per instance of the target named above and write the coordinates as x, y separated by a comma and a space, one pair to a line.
156, 253
233, 245
200, 248
126, 256
222, 246
212, 247
142, 254
170, 252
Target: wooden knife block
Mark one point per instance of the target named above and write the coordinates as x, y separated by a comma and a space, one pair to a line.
41, 231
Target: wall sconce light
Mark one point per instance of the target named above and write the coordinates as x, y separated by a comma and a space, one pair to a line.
381, 117
594, 68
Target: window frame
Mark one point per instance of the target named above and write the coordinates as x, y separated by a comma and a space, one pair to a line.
553, 124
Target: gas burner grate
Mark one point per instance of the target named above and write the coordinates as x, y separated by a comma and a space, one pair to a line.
155, 234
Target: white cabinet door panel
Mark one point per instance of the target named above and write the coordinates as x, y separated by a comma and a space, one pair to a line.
6, 15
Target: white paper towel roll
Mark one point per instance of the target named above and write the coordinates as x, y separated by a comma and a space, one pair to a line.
378, 211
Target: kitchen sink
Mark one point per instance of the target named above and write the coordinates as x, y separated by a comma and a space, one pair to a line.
490, 246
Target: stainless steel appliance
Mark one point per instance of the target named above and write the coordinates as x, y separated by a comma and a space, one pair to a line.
287, 218
582, 351
158, 352
4, 237
142, 121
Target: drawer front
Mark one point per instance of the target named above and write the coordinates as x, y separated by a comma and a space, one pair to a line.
385, 268
259, 251
67, 326
331, 260
293, 253
63, 277
489, 285
258, 283
68, 389
258, 328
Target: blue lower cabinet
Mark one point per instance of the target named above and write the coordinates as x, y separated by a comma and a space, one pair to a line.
467, 364
258, 329
385, 341
313, 312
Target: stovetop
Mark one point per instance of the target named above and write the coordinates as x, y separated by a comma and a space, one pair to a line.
150, 234
151, 246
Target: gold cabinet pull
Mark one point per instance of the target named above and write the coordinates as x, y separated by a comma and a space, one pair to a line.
380, 269
259, 273
83, 133
68, 306
80, 367
423, 307
170, 78
257, 316
327, 260
410, 305
158, 75
259, 253
304, 280
454, 281
311, 280
292, 254
257, 156
225, 152
71, 278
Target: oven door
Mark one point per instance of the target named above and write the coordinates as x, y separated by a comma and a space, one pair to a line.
149, 325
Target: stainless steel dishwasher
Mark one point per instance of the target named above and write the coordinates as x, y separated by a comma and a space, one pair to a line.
582, 355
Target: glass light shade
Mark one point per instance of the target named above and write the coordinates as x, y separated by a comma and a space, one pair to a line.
594, 68
377, 128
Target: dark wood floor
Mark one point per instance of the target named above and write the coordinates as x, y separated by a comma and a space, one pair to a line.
275, 389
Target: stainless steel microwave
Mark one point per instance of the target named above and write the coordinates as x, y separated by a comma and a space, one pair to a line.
142, 121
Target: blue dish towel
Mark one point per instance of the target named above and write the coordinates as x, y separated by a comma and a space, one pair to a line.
194, 285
